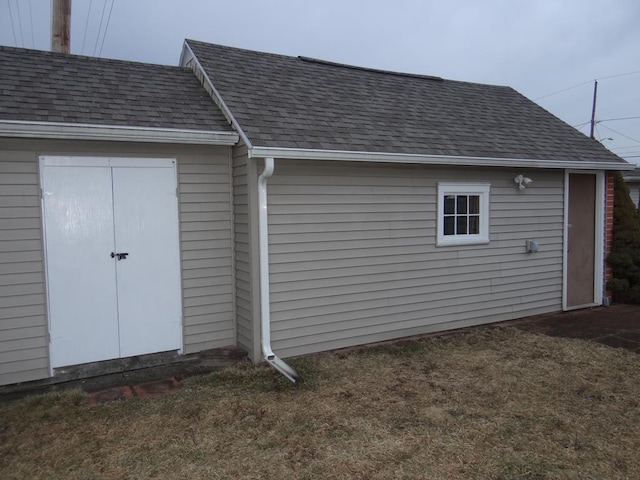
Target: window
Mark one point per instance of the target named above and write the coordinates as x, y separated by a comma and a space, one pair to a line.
463, 213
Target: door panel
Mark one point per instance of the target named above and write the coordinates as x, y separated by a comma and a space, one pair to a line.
148, 280
581, 240
78, 217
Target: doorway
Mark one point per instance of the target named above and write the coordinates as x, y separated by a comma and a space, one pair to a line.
112, 257
583, 214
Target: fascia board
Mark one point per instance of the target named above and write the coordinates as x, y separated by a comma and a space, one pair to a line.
188, 55
71, 131
340, 155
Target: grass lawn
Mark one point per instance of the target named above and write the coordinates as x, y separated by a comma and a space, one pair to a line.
488, 403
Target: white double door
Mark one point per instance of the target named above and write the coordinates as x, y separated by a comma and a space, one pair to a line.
103, 304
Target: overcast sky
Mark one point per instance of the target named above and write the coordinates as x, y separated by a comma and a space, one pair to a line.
538, 47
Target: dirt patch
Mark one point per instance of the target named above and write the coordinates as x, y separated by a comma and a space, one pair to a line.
617, 326
494, 403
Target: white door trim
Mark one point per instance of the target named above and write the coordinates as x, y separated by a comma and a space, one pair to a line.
95, 161
598, 270
67, 161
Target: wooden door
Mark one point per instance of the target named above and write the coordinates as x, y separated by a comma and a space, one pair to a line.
581, 240
103, 305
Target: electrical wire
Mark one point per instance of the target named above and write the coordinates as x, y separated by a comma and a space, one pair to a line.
13, 28
620, 133
619, 75
20, 23
86, 25
589, 81
106, 28
616, 119
33, 41
563, 90
95, 47
51, 22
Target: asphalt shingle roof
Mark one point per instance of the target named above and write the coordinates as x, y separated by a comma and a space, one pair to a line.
53, 87
294, 102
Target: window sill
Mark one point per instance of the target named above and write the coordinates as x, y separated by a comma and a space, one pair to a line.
454, 242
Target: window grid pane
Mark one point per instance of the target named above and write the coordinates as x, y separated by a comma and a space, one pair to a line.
474, 204
449, 204
461, 214
461, 204
449, 225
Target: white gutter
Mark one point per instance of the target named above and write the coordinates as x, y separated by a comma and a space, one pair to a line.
344, 155
213, 92
118, 133
265, 311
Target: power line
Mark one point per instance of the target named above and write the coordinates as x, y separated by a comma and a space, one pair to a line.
33, 41
20, 23
619, 75
563, 90
106, 28
620, 133
624, 148
13, 28
616, 119
589, 81
95, 47
86, 24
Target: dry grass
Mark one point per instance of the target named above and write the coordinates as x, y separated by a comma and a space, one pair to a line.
493, 403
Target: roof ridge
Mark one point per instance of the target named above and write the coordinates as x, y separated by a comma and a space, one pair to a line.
367, 69
76, 56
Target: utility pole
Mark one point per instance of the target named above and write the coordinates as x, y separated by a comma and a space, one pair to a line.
61, 26
593, 108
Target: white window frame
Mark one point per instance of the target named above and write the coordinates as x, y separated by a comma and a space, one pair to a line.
483, 191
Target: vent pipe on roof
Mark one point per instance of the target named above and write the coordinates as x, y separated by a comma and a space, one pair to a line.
61, 26
265, 310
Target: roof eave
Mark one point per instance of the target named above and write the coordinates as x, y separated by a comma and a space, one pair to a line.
117, 133
343, 155
188, 55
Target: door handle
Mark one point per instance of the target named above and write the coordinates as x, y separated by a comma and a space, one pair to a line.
121, 256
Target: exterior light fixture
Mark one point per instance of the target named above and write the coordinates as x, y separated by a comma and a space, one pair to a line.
522, 181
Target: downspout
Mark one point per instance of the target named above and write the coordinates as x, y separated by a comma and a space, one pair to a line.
265, 311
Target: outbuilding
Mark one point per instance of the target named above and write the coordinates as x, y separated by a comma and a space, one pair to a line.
280, 204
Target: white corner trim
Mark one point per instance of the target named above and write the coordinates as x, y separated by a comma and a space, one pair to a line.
186, 56
601, 219
565, 239
77, 131
343, 155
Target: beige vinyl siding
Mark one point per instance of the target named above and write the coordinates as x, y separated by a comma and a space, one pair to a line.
353, 256
206, 248
244, 310
24, 353
206, 243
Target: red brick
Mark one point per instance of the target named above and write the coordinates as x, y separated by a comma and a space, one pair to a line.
157, 387
109, 395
